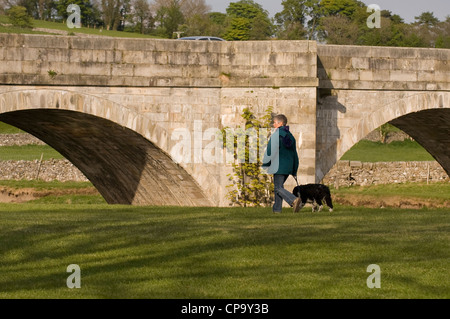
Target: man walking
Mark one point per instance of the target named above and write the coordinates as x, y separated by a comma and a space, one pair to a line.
281, 160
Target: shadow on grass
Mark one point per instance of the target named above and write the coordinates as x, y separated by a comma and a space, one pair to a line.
150, 252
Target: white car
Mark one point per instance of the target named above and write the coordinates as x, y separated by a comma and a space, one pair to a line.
203, 38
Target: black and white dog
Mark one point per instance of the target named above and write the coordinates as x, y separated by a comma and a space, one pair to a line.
315, 194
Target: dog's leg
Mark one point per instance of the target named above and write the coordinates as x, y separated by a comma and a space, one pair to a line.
320, 205
302, 204
329, 202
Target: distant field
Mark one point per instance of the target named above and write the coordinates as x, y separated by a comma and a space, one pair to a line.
63, 26
9, 129
28, 153
405, 151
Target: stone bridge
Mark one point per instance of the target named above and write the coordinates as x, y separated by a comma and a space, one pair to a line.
119, 109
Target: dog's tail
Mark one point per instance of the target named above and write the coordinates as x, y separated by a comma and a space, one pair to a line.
328, 200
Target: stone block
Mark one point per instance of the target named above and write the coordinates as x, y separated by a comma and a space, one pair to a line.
360, 63
92, 43
403, 76
45, 41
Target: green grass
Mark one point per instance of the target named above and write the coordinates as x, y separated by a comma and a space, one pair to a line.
43, 185
28, 153
367, 151
9, 129
156, 252
63, 26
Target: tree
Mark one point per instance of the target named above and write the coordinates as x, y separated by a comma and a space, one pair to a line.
247, 20
339, 30
427, 19
114, 13
443, 39
141, 16
169, 17
238, 29
340, 20
427, 28
291, 20
38, 9
393, 32
343, 8
197, 18
193, 8
250, 186
19, 17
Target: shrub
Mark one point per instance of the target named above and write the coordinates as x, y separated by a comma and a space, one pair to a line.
19, 17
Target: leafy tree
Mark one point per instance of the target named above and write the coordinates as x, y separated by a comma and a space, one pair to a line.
169, 18
247, 20
443, 39
339, 30
114, 13
340, 20
427, 19
193, 8
197, 18
38, 9
250, 186
19, 17
346, 8
141, 16
217, 23
291, 20
315, 13
212, 24
427, 27
393, 32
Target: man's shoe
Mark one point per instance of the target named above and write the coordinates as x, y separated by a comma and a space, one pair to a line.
297, 205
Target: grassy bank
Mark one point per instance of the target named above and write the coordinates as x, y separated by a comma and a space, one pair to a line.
154, 252
28, 153
404, 151
63, 27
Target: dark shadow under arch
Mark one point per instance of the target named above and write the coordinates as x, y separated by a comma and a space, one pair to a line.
431, 129
125, 167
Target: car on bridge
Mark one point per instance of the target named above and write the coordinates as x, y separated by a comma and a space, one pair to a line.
202, 38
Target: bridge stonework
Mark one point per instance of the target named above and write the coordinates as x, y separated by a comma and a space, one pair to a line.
114, 107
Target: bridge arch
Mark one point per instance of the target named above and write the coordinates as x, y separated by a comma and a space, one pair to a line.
112, 145
425, 116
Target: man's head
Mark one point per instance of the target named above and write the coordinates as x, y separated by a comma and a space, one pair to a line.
279, 120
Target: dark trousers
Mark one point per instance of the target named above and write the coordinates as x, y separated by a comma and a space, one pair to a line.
281, 193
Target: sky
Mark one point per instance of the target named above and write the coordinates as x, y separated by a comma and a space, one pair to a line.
407, 9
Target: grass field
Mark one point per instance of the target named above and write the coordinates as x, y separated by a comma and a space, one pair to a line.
404, 151
28, 153
63, 27
190, 253
155, 252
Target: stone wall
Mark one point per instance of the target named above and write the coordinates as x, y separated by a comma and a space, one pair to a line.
346, 173
343, 174
49, 170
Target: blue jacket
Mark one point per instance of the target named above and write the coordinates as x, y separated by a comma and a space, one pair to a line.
284, 160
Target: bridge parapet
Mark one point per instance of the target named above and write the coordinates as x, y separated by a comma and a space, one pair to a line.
71, 61
383, 68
